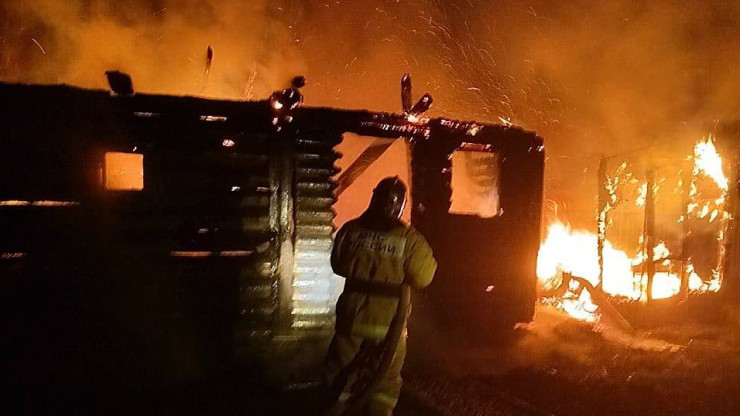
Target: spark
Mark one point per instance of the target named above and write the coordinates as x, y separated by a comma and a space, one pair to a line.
39, 45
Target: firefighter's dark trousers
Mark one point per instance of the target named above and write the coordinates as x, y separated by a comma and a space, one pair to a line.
350, 363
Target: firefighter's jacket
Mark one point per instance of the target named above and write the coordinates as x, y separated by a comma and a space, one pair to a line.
387, 257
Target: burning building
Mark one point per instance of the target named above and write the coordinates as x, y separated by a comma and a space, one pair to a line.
662, 235
152, 239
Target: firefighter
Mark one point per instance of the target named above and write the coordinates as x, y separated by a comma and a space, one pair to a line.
375, 253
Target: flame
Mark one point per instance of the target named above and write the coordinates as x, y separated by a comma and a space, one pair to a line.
642, 195
708, 162
575, 252
412, 118
581, 307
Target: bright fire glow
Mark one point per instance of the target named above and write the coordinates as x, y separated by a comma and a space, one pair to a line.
575, 251
709, 162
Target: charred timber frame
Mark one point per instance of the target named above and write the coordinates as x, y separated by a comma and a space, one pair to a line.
277, 215
649, 235
732, 258
602, 218
482, 269
683, 292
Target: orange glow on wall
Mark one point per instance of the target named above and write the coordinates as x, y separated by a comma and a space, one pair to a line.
124, 171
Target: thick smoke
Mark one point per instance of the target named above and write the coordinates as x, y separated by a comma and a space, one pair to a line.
161, 44
590, 77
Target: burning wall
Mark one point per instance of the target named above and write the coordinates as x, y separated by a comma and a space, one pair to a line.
692, 263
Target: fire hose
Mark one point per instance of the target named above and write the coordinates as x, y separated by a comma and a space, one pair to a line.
389, 346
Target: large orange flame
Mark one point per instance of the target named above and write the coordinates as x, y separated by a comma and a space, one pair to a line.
575, 251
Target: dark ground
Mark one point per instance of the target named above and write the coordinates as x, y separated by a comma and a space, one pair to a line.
565, 367
555, 366
213, 398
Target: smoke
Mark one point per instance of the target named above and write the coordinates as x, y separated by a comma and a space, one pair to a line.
162, 44
590, 77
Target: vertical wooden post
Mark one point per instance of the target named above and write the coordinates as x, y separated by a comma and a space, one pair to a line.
686, 179
731, 269
650, 232
601, 218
